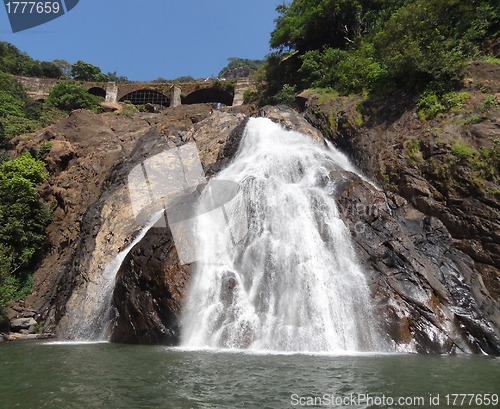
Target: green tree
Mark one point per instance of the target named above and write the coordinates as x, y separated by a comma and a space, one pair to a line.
83, 71
69, 96
182, 79
8, 55
20, 114
23, 220
10, 105
431, 41
352, 45
160, 80
13, 87
15, 62
353, 71
64, 66
325, 43
112, 76
17, 110
178, 80
307, 25
50, 70
28, 67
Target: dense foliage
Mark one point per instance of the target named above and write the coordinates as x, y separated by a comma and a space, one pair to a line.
20, 114
377, 45
68, 96
13, 61
83, 71
23, 220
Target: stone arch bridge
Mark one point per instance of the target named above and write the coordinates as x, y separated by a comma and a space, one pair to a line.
162, 94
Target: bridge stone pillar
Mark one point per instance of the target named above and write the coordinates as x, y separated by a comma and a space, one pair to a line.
175, 96
239, 89
111, 92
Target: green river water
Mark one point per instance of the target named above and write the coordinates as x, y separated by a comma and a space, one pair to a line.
103, 375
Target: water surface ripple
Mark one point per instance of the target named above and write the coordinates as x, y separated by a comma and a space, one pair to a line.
102, 375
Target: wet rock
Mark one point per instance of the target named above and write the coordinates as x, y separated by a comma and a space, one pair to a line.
429, 297
14, 336
433, 178
228, 286
149, 291
289, 119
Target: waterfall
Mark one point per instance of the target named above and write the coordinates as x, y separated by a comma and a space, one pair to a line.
89, 311
292, 283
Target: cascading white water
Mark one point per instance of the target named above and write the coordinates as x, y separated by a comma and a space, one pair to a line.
292, 284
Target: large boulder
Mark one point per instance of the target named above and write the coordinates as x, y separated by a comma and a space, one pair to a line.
23, 324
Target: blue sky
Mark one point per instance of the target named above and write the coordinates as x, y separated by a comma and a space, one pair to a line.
147, 39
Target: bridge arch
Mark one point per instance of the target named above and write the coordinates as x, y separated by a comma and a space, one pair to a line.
146, 96
97, 91
208, 95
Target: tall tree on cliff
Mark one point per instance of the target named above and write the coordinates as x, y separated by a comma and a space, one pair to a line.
64, 66
306, 25
353, 45
84, 71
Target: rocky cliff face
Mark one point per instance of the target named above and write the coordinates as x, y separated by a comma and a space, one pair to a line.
438, 166
430, 295
151, 282
444, 167
88, 164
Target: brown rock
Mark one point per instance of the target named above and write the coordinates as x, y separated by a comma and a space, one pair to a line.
427, 291
111, 107
485, 133
149, 291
